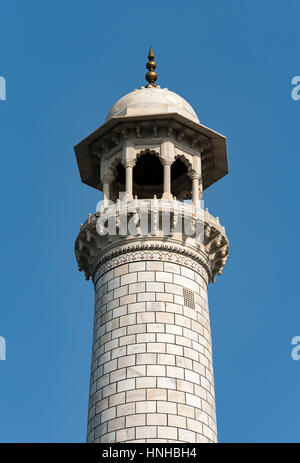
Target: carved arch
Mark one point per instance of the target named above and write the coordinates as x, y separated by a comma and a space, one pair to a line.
181, 185
113, 165
147, 151
185, 161
148, 174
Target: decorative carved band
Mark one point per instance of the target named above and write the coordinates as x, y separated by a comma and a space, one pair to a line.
151, 252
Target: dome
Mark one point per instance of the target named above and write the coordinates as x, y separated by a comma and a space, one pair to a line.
153, 100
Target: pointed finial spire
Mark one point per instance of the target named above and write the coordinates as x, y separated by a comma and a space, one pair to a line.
151, 75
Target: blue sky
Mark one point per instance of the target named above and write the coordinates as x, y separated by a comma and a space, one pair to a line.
65, 64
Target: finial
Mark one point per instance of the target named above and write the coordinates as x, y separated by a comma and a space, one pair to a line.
151, 75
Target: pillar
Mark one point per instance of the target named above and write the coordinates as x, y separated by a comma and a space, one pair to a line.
129, 164
195, 188
106, 187
106, 182
167, 178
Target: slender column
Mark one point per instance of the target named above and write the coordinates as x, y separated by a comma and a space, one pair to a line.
106, 194
129, 164
195, 179
106, 181
200, 188
167, 178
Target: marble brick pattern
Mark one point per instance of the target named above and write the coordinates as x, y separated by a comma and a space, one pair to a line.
152, 374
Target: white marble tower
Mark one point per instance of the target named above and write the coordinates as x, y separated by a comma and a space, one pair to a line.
152, 373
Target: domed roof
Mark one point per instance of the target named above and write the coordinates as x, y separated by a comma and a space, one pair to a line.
152, 100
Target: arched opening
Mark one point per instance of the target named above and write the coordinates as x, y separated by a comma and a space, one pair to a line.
148, 176
119, 184
181, 184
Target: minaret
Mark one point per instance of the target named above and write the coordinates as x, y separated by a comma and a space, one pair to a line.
151, 251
